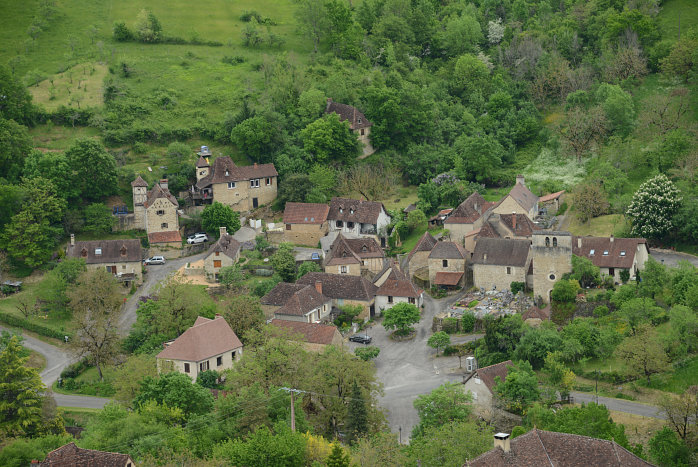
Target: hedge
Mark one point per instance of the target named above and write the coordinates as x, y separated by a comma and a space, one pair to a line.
40, 329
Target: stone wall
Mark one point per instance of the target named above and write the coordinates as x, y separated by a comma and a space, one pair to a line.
167, 221
215, 261
436, 265
132, 267
487, 276
418, 261
241, 197
352, 269
305, 234
127, 222
549, 262
509, 206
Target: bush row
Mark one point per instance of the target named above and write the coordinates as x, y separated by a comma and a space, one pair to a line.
75, 369
40, 329
89, 388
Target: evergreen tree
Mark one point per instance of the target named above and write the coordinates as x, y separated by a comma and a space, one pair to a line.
338, 458
357, 419
20, 392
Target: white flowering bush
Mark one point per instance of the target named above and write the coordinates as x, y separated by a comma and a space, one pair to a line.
495, 31
566, 172
653, 207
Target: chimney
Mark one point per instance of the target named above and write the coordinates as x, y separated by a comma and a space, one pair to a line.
72, 239
520, 179
223, 230
255, 165
318, 286
501, 440
513, 221
163, 183
611, 238
579, 242
484, 257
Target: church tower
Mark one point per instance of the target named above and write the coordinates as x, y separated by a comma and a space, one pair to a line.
202, 166
140, 194
551, 252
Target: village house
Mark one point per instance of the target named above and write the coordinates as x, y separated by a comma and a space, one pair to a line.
225, 252
359, 218
447, 264
538, 447
354, 255
314, 336
122, 258
297, 302
71, 455
517, 226
551, 253
155, 211
305, 223
358, 123
519, 200
468, 216
613, 255
210, 344
406, 212
419, 256
481, 382
551, 202
243, 188
440, 217
497, 262
394, 287
344, 289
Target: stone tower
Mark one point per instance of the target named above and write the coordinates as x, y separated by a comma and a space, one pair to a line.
140, 194
552, 257
202, 166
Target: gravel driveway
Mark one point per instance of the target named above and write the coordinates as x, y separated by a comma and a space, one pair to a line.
672, 258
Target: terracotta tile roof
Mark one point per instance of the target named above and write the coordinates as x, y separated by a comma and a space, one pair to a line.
550, 197
302, 302
523, 197
281, 293
399, 288
139, 182
524, 225
206, 338
354, 210
621, 251
489, 373
341, 286
305, 213
448, 250
159, 192
112, 251
426, 243
546, 448
448, 278
227, 245
313, 333
356, 119
71, 455
487, 231
341, 253
469, 210
392, 271
202, 162
224, 170
165, 237
443, 214
534, 312
501, 252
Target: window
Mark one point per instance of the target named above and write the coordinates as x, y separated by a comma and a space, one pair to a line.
342, 269
219, 361
203, 366
390, 299
163, 225
411, 300
231, 185
232, 355
360, 121
202, 173
547, 241
123, 266
218, 253
216, 263
551, 277
444, 263
508, 269
362, 132
288, 226
591, 252
611, 272
254, 183
186, 368
339, 224
605, 252
268, 181
364, 249
554, 241
350, 225
227, 172
351, 211
160, 212
622, 253
98, 251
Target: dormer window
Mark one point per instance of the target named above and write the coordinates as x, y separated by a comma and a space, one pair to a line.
364, 249
622, 253
123, 251
605, 252
98, 251
351, 211
83, 253
341, 210
227, 173
591, 252
359, 119
344, 254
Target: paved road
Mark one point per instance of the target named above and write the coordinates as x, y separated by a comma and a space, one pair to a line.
671, 258
620, 405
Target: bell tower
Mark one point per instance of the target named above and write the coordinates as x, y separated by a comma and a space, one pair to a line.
202, 166
140, 194
552, 257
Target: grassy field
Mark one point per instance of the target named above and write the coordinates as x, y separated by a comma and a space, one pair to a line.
638, 429
679, 380
601, 226
80, 86
675, 13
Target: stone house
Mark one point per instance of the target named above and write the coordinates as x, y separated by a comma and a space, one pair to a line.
468, 216
210, 344
447, 264
517, 226
122, 258
314, 336
519, 200
539, 447
243, 188
70, 454
551, 253
278, 296
359, 218
358, 123
306, 305
344, 289
225, 252
394, 287
481, 384
155, 211
497, 262
613, 255
419, 256
440, 217
354, 255
305, 223
551, 202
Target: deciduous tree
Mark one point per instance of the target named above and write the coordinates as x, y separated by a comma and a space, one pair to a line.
93, 169
284, 262
447, 403
217, 215
357, 415
243, 313
583, 128
653, 207
643, 353
401, 317
519, 389
450, 444
330, 140
175, 390
439, 340
589, 202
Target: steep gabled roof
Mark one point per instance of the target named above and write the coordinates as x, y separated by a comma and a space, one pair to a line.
111, 251
426, 243
206, 338
448, 250
448, 278
227, 245
524, 225
341, 253
71, 455
139, 182
281, 293
159, 192
621, 251
398, 288
341, 286
523, 197
547, 448
469, 210
501, 252
305, 213
356, 119
202, 162
550, 197
313, 333
224, 170
302, 302
489, 373
354, 210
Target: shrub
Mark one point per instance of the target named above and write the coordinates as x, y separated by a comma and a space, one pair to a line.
75, 369
562, 209
121, 32
600, 311
450, 325
624, 275
516, 287
467, 322
13, 320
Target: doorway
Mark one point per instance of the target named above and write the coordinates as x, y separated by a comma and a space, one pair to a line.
255, 203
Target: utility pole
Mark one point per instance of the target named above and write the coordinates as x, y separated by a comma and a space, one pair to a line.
293, 414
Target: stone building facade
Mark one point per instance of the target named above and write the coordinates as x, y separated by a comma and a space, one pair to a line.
447, 257
305, 223
225, 252
497, 262
552, 257
358, 123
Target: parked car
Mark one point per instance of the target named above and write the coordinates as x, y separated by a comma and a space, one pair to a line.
155, 260
361, 338
197, 238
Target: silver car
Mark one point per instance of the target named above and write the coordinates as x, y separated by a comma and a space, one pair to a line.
155, 260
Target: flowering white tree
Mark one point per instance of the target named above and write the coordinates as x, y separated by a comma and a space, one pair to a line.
653, 207
495, 31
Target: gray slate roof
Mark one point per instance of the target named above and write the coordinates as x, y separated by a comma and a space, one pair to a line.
501, 252
112, 251
448, 250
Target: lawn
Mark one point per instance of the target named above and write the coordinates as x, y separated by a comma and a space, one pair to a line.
90, 384
80, 85
679, 380
602, 226
675, 13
